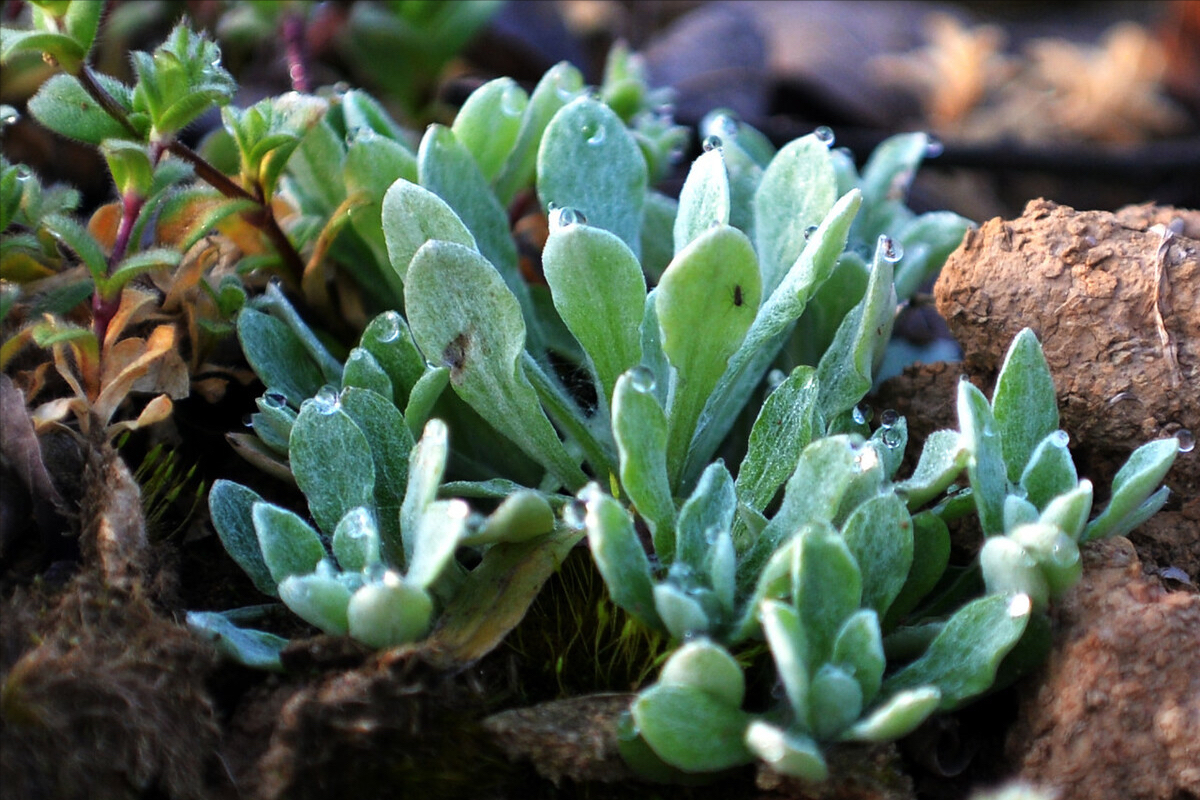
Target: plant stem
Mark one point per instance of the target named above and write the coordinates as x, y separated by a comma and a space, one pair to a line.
106, 100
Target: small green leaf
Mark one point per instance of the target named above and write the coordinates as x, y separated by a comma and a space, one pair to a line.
704, 199
230, 505
669, 716
879, 534
463, 316
78, 239
426, 466
389, 612
797, 191
897, 717
834, 703
704, 665
619, 556
442, 524
319, 600
390, 446
846, 370
785, 426
1008, 568
425, 393
827, 589
1070, 511
683, 612
490, 121
858, 651
1056, 554
254, 649
522, 515
1134, 497
930, 557
559, 85
711, 286
600, 293
787, 752
789, 647
961, 662
1024, 404
326, 455
588, 161
814, 492
982, 439
289, 545
942, 459
412, 215
389, 340
362, 371
709, 511
640, 430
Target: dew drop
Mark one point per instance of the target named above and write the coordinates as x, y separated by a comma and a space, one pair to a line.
862, 414
723, 125
774, 378
711, 143
575, 514
594, 131
389, 326
1185, 440
510, 101
1061, 438
363, 135
565, 217
824, 135
809, 231
24, 173
565, 93
642, 379
327, 401
429, 365
889, 418
275, 399
933, 146
1019, 605
248, 420
891, 437
890, 249
9, 118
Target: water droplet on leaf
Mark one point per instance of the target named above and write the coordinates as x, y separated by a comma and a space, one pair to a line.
775, 377
723, 125
824, 135
1185, 440
711, 143
327, 400
642, 379
275, 399
575, 514
565, 217
510, 101
809, 231
889, 418
891, 437
248, 420
1061, 438
933, 146
862, 414
389, 326
890, 249
594, 132
1019, 605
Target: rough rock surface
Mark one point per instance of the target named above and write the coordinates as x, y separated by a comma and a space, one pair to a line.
1115, 300
1116, 710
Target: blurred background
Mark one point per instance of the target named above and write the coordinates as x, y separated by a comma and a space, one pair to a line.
1091, 104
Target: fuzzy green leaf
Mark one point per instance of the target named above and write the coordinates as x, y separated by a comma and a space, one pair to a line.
619, 556
490, 121
362, 371
1133, 490
464, 316
835, 701
390, 446
1024, 404
600, 293
787, 752
588, 161
897, 717
789, 647
982, 439
389, 340
858, 650
356, 540
707, 666
389, 612
230, 505
426, 466
942, 459
522, 515
785, 426
879, 533
278, 356
326, 454
711, 286
930, 557
827, 589
704, 199
319, 600
640, 430
254, 649
705, 514
961, 662
668, 717
1070, 511
412, 215
442, 524
797, 191
289, 545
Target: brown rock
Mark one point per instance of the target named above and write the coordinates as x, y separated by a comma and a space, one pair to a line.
1116, 712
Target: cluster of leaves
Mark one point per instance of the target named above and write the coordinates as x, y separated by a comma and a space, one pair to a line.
815, 546
595, 393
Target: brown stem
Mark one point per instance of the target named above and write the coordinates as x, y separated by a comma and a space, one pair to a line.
106, 100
